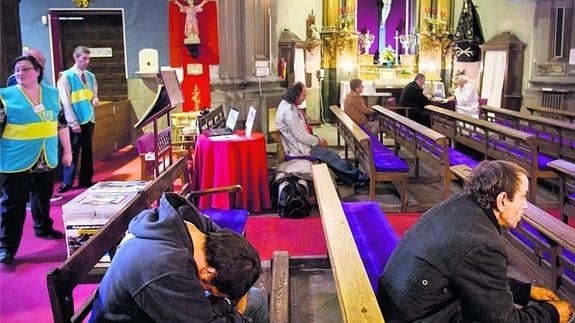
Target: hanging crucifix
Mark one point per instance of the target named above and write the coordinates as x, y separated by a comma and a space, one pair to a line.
191, 29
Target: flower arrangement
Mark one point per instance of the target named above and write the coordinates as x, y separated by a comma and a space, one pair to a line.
388, 55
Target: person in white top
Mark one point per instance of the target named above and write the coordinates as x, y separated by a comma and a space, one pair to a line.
466, 97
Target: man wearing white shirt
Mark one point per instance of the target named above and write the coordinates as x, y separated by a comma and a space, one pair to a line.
467, 99
79, 95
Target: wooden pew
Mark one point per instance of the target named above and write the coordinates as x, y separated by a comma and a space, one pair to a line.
566, 172
357, 300
279, 298
424, 143
555, 114
78, 268
555, 138
494, 141
364, 149
544, 247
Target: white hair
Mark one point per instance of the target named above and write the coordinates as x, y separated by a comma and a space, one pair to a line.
462, 78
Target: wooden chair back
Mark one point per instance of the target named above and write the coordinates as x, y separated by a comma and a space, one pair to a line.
214, 119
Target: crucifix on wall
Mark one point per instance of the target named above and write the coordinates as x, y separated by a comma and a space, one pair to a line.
191, 29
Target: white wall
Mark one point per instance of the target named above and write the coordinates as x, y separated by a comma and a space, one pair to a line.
498, 16
292, 15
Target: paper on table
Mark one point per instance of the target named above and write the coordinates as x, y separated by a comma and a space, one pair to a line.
225, 137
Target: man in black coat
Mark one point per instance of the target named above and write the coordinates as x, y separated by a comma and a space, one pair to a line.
451, 266
412, 96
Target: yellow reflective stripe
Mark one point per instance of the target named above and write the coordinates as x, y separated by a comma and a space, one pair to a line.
81, 95
39, 130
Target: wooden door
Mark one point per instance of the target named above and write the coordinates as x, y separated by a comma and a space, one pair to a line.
103, 32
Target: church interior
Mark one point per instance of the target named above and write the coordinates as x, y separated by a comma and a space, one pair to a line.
167, 76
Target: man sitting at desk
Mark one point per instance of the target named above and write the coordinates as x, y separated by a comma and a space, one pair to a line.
298, 138
466, 97
412, 96
176, 265
355, 108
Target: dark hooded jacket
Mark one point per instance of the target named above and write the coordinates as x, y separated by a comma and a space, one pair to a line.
153, 276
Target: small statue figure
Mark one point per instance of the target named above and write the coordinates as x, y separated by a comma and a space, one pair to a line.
191, 29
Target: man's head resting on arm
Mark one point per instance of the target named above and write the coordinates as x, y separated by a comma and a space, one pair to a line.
236, 263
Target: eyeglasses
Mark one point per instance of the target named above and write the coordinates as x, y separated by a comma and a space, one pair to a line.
23, 69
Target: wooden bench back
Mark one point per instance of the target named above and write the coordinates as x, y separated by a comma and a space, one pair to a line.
355, 139
566, 171
554, 114
492, 140
214, 119
550, 134
356, 298
424, 143
79, 267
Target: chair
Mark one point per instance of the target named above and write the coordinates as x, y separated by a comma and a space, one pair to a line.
155, 153
214, 119
234, 219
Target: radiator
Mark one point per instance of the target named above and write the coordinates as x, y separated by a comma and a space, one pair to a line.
552, 99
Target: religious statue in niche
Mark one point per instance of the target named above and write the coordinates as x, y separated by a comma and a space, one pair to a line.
191, 30
383, 9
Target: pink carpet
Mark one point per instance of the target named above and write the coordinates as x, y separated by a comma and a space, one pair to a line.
300, 237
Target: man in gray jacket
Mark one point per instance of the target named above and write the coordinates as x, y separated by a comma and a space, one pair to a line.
451, 266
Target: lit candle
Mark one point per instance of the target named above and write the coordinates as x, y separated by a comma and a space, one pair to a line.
406, 17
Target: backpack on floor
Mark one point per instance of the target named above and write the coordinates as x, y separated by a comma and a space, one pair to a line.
291, 195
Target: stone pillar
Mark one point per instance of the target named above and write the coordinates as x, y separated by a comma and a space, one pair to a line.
340, 51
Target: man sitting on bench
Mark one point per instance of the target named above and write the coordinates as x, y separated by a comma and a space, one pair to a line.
357, 110
451, 266
298, 139
176, 265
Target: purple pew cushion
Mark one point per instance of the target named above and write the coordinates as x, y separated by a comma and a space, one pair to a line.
384, 159
234, 219
374, 236
457, 158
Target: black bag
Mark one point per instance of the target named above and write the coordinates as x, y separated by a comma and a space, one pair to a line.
290, 194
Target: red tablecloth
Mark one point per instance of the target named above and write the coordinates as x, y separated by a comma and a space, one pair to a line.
233, 161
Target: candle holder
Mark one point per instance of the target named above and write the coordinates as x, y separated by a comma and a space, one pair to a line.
365, 42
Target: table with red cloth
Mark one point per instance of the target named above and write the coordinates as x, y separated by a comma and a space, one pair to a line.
237, 160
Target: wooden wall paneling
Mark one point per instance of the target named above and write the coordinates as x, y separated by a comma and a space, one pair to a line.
10, 37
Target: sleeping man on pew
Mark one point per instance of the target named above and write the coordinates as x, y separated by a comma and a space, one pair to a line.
298, 138
176, 265
451, 266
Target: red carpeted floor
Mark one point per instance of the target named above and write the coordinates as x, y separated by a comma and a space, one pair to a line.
23, 294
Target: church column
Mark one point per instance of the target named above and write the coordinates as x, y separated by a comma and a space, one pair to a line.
340, 51
231, 29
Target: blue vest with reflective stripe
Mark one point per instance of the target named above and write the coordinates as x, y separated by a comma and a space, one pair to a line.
29, 134
81, 95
